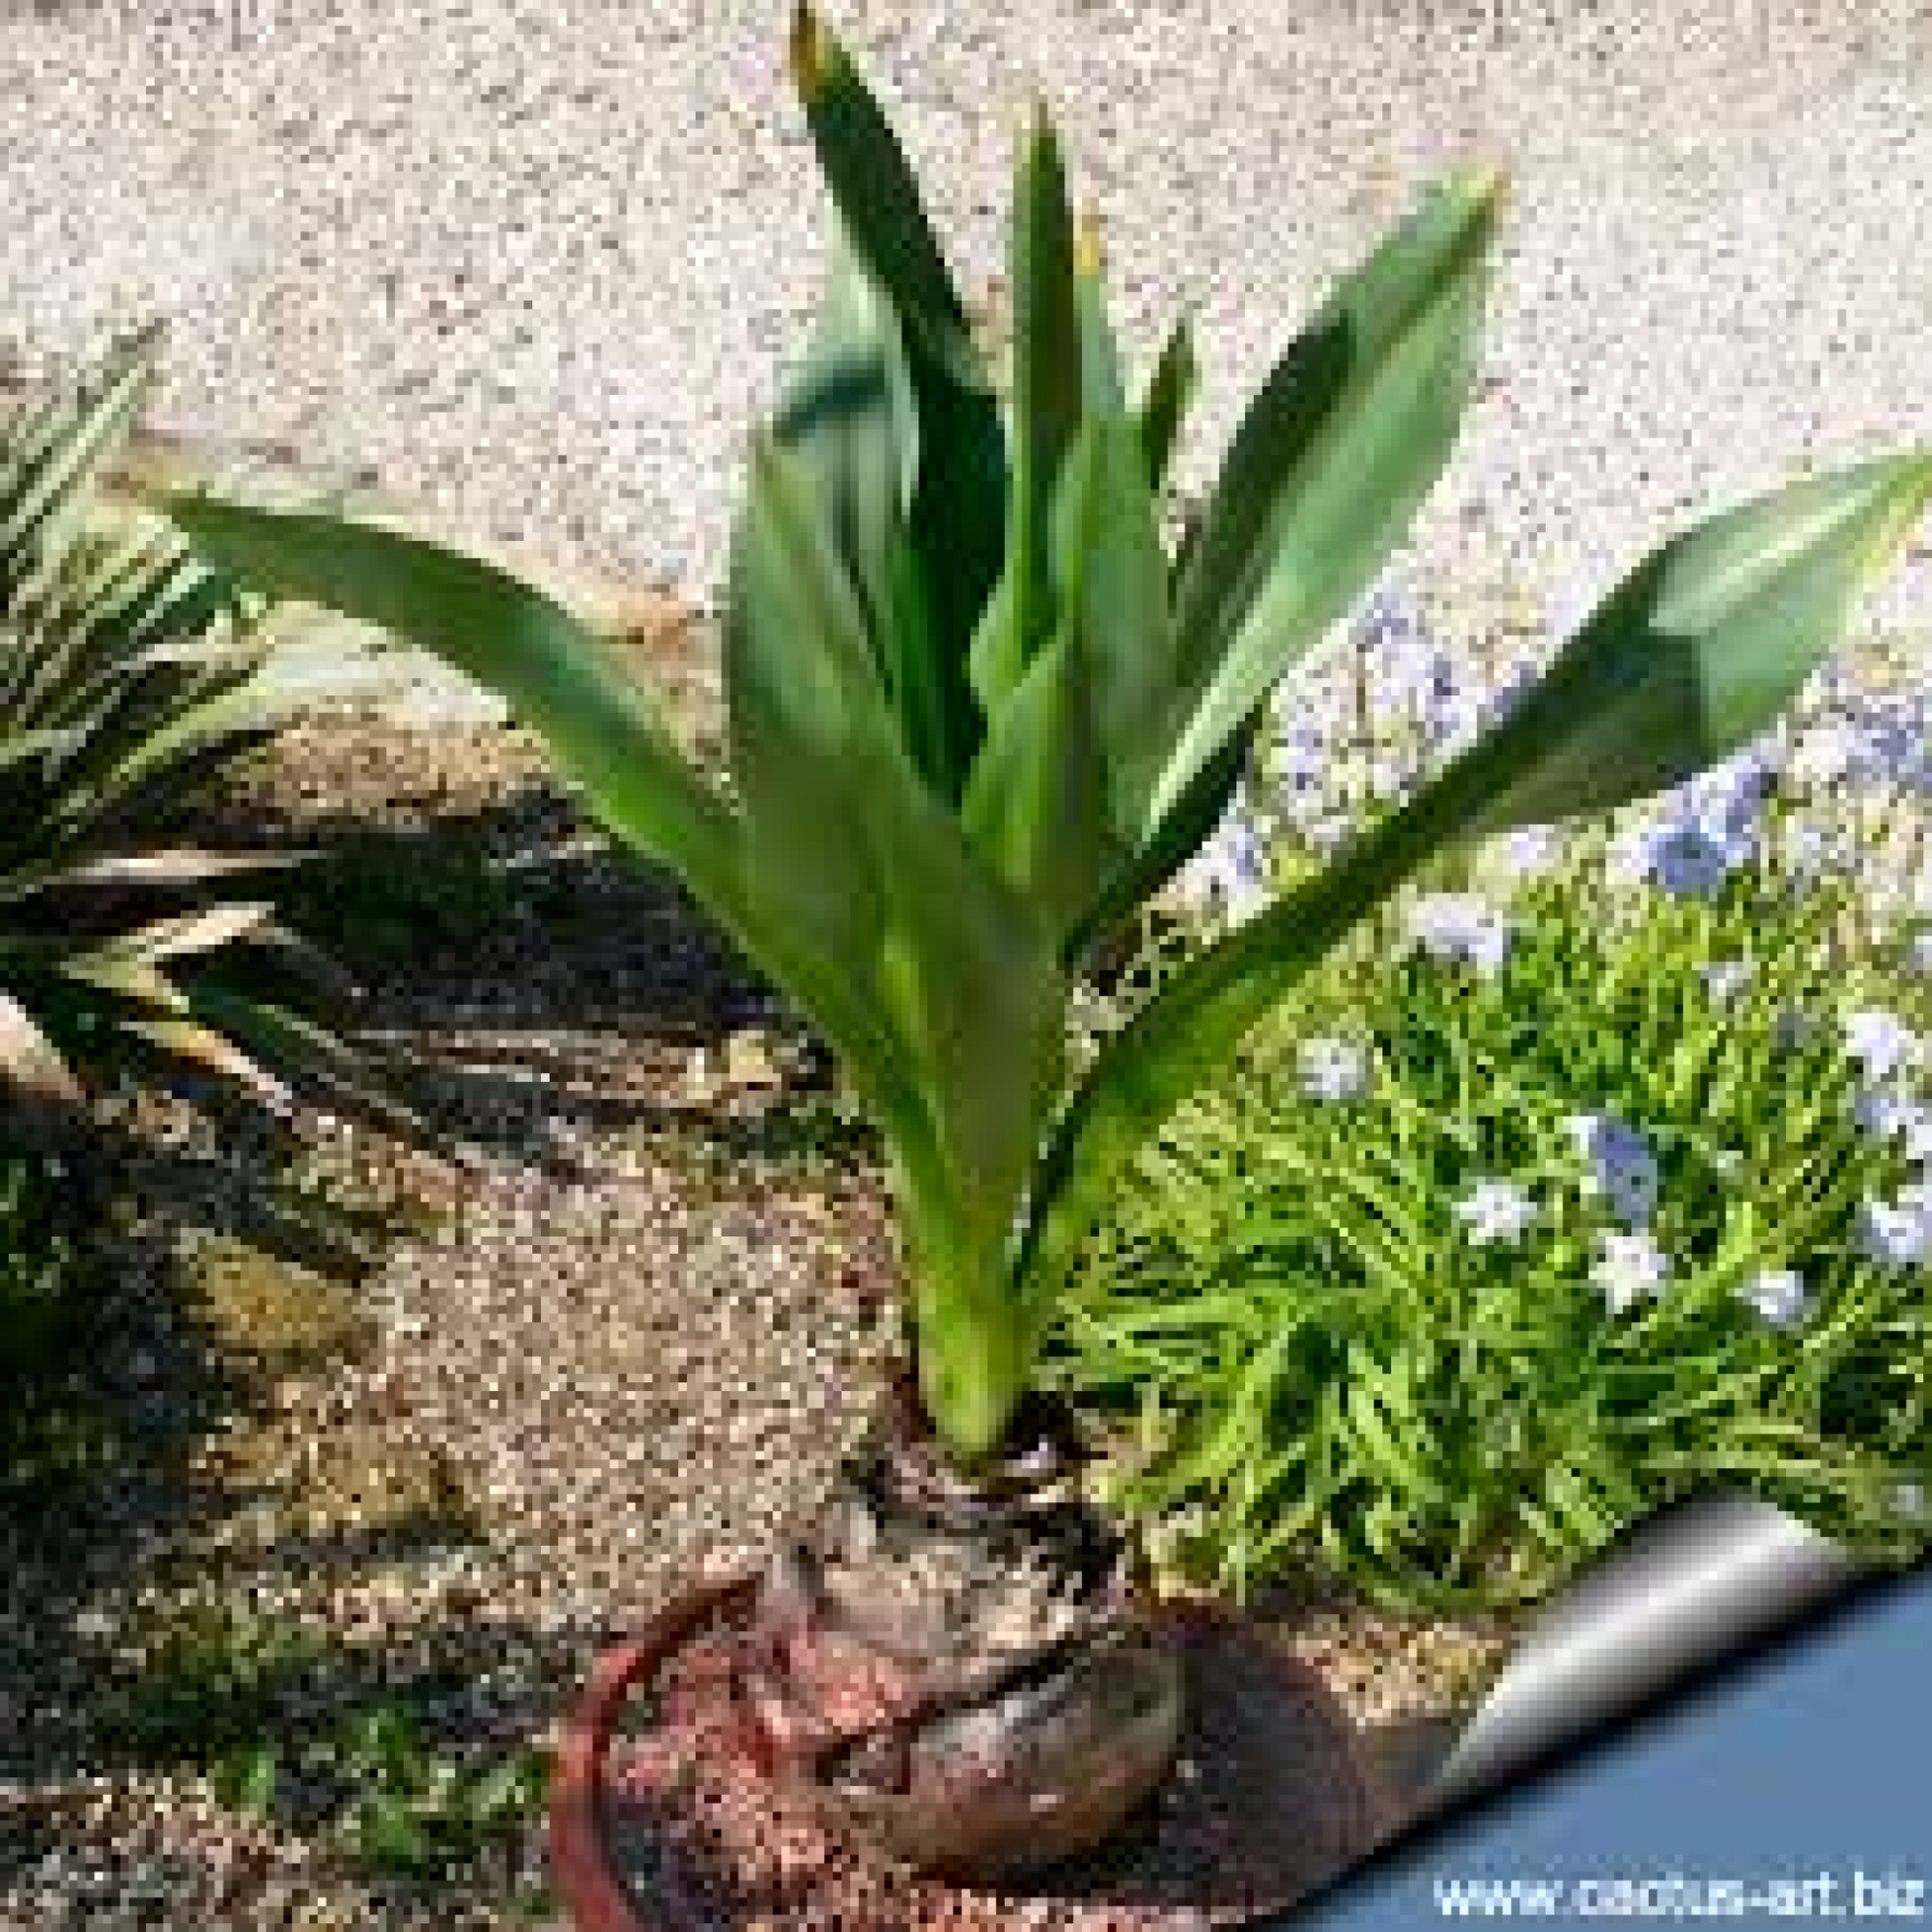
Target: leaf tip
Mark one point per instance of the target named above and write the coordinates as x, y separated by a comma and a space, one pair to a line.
141, 346
183, 511
1089, 255
810, 53
761, 449
1485, 187
174, 501
1909, 493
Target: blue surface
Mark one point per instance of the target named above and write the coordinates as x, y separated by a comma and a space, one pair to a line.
1760, 1799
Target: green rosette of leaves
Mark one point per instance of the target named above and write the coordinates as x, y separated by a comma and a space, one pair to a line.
131, 673
980, 712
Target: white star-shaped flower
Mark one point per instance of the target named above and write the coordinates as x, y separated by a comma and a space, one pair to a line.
1896, 1234
1459, 928
1495, 1210
1780, 1294
1881, 1044
1334, 1069
1629, 1268
1725, 979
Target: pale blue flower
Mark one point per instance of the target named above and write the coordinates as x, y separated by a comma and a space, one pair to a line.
1886, 1050
1893, 726
1898, 1233
1334, 1069
1914, 1127
1391, 629
1458, 718
1495, 1210
1725, 979
1813, 850
1896, 1116
1458, 929
1628, 1268
1688, 858
1829, 753
1229, 872
1780, 1294
1419, 681
1298, 762
1881, 1044
1328, 833
1691, 861
1621, 1167
1389, 773
1737, 793
1530, 851
1503, 698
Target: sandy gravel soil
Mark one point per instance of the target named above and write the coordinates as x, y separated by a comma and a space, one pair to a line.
540, 266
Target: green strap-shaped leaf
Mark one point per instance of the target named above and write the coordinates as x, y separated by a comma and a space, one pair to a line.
30, 1066
1060, 792
958, 539
51, 456
558, 676
164, 870
925, 681
852, 416
847, 847
1035, 806
184, 934
959, 506
189, 1039
1692, 656
564, 682
842, 839
1186, 829
811, 736
1113, 574
1344, 439
1046, 399
878, 198
1103, 379
1170, 391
